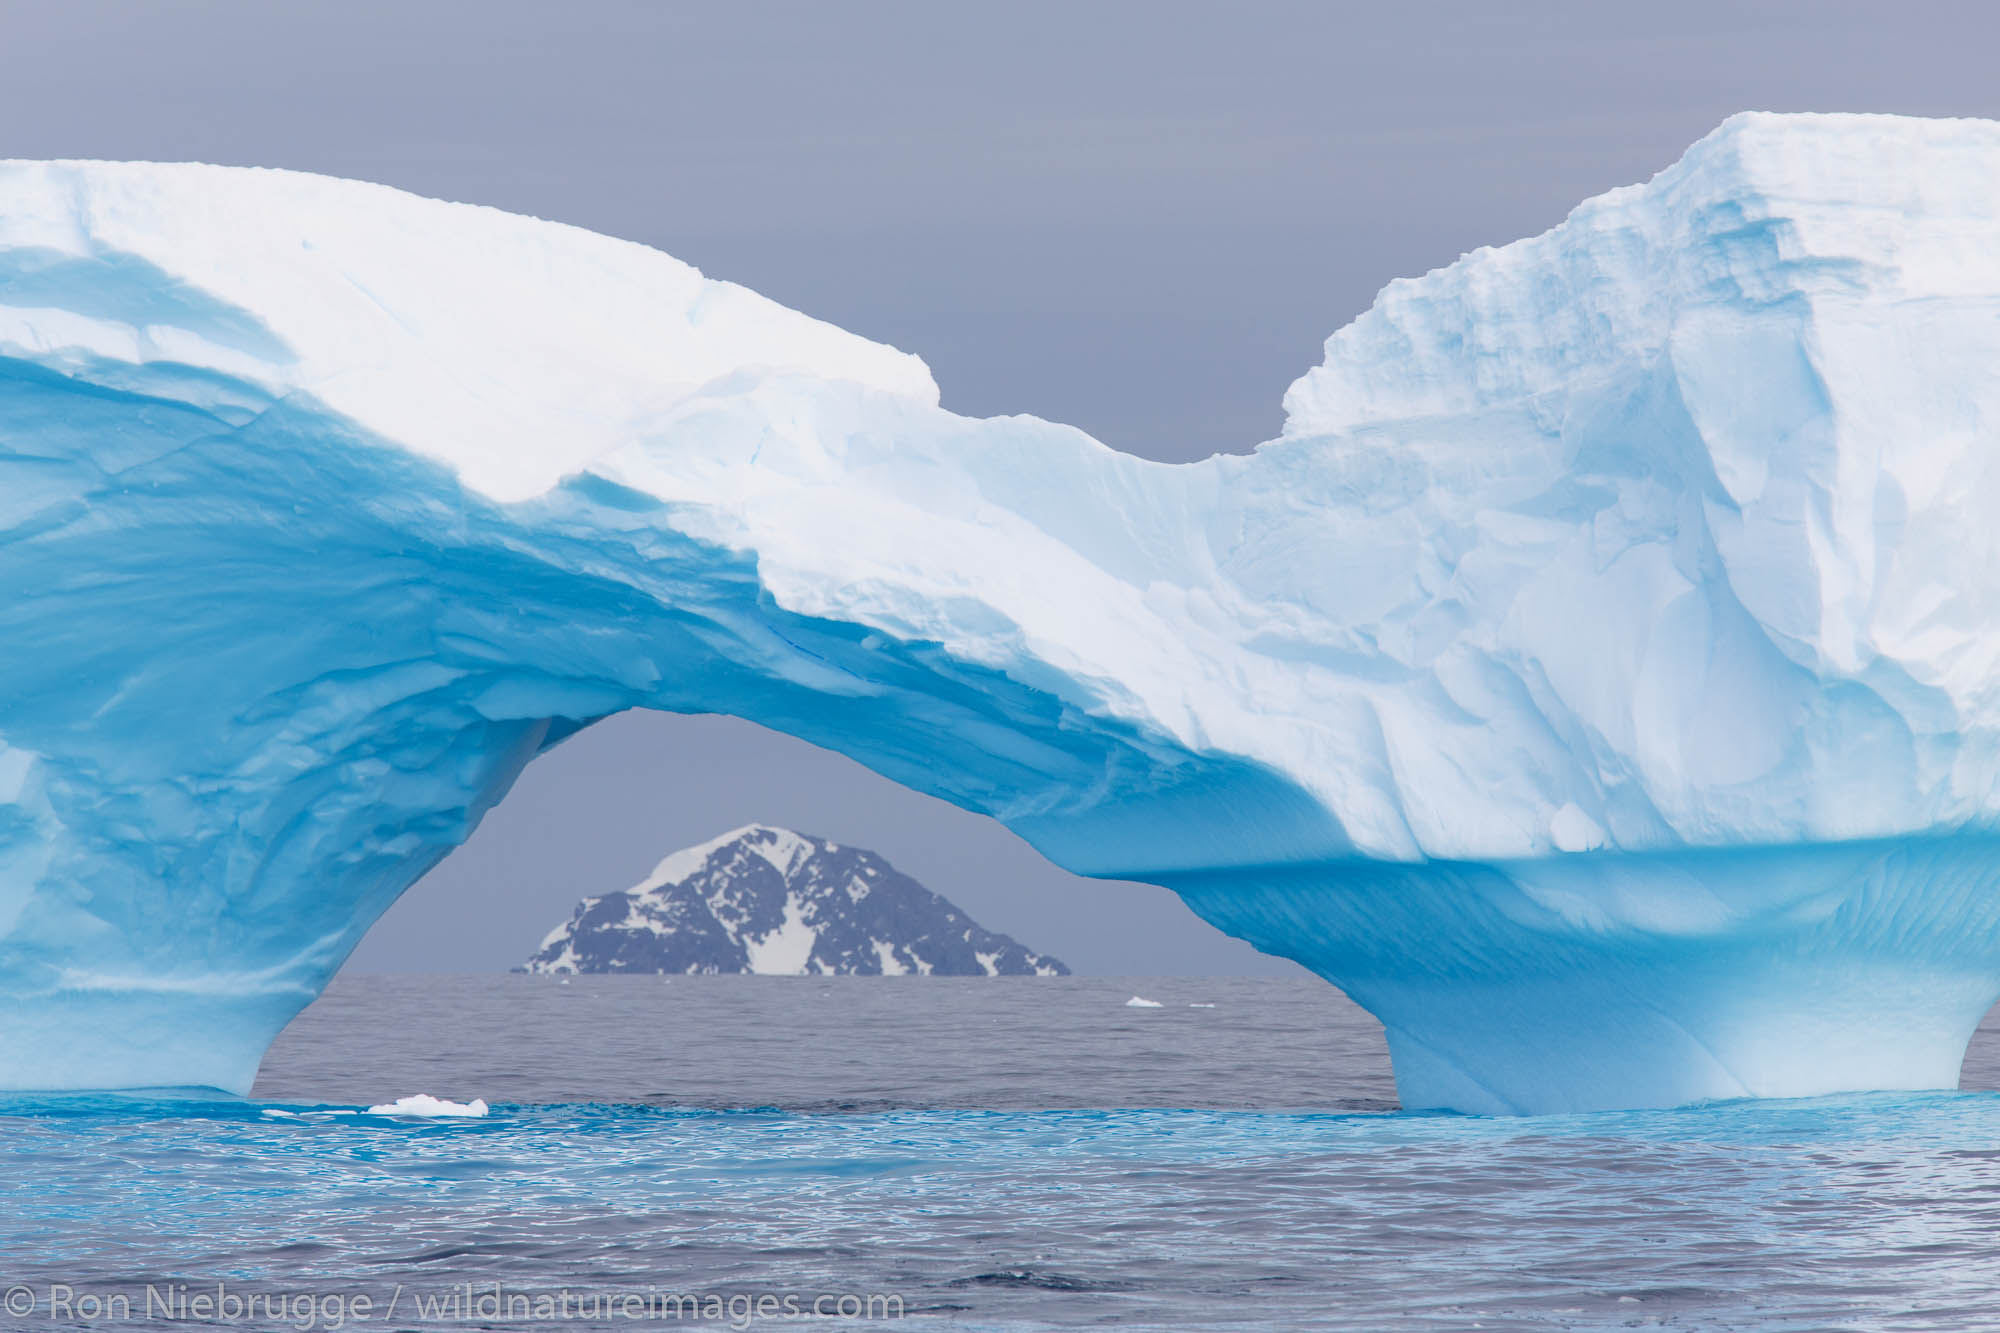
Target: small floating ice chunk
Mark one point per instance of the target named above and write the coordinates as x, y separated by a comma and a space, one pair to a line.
276, 1114
1197, 1004
1140, 1002
424, 1104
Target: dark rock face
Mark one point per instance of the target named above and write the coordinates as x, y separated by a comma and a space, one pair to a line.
768, 900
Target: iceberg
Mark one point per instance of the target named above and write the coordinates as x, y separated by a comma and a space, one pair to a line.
1598, 679
425, 1106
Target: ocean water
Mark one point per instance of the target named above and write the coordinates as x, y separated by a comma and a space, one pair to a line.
1016, 1154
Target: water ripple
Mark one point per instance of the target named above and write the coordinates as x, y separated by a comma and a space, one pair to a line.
1863, 1213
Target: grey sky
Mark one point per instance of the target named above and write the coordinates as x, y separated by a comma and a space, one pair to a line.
1139, 218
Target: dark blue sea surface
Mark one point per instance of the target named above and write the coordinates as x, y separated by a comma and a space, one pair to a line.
1013, 1154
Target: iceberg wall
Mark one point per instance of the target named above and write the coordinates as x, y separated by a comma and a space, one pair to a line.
1596, 679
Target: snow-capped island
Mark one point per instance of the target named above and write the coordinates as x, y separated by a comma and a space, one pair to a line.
777, 903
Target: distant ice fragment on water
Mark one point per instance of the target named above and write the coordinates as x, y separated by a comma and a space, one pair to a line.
1140, 1002
1197, 1004
423, 1104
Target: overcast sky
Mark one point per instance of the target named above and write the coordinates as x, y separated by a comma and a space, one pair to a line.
1142, 219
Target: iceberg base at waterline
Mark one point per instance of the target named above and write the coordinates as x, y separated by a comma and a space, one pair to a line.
1604, 981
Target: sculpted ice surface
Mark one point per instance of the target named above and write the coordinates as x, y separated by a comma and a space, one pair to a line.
1596, 678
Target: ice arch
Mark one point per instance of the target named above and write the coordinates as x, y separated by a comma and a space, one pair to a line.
1596, 680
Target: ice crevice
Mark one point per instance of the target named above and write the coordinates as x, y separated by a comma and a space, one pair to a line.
1595, 679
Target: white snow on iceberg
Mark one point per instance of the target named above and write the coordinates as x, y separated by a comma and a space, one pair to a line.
1596, 679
